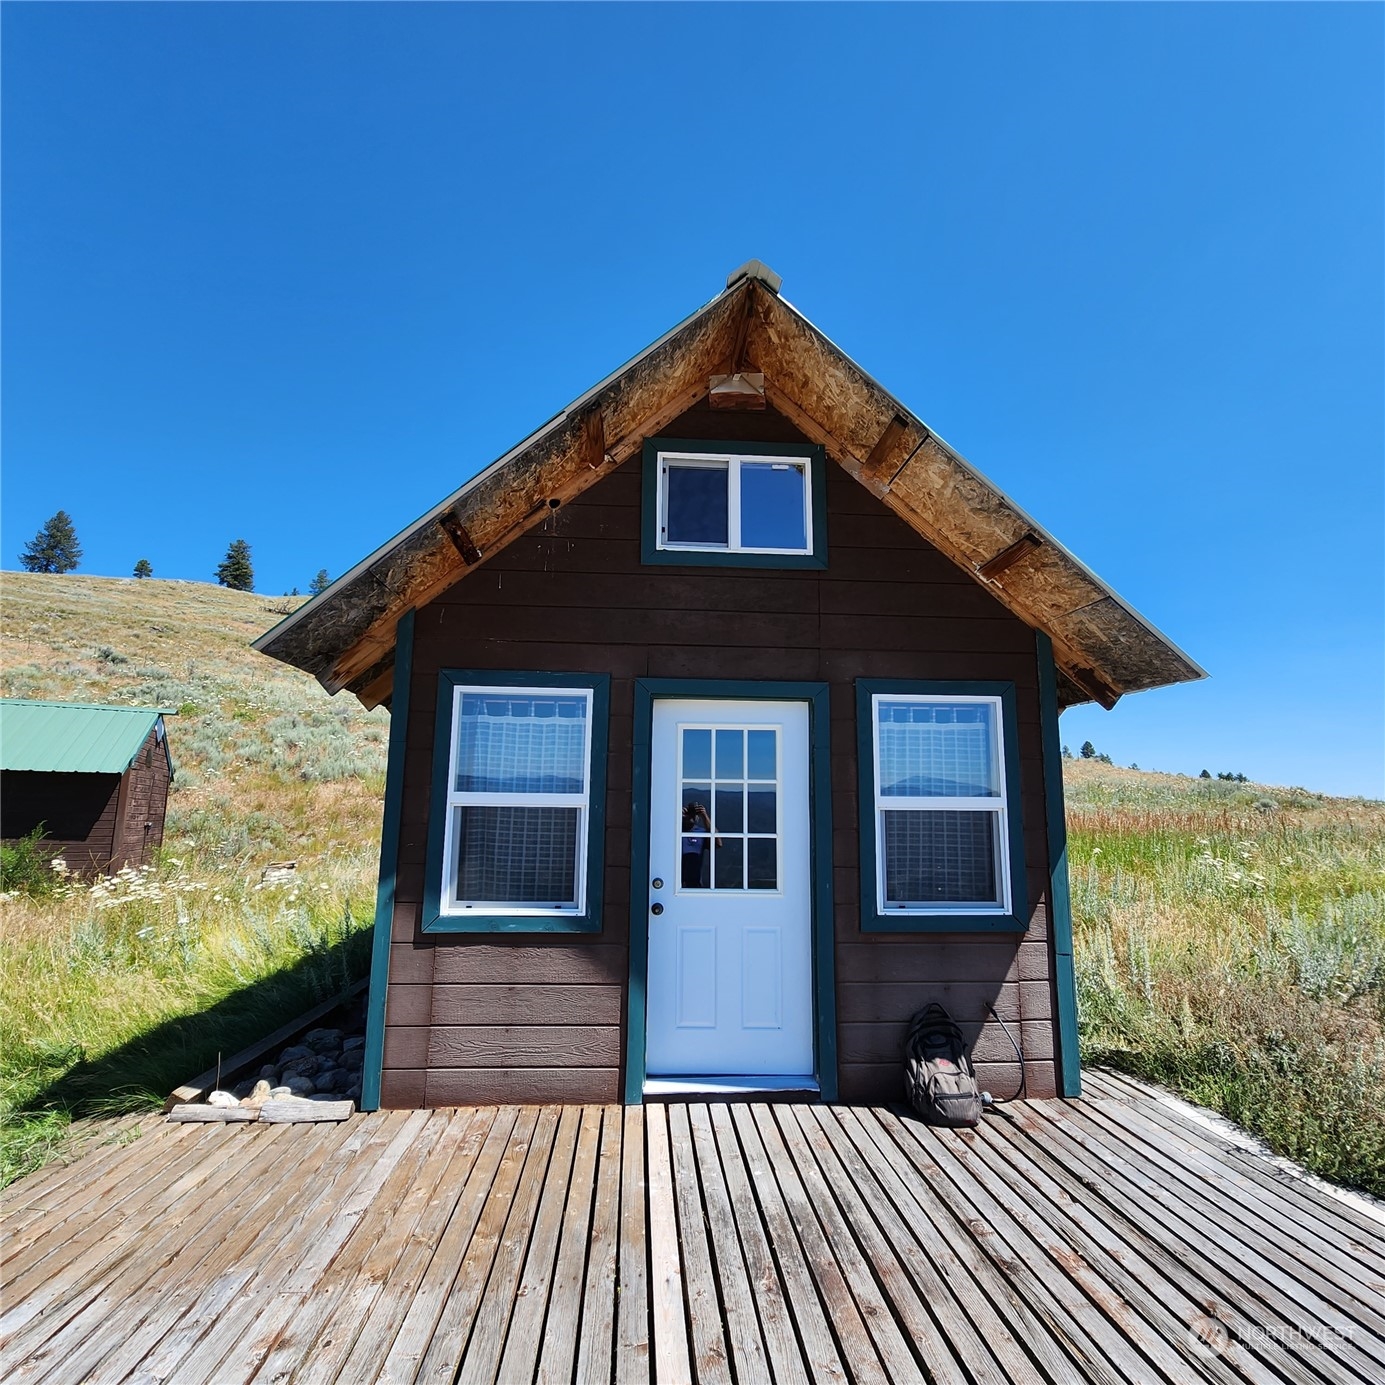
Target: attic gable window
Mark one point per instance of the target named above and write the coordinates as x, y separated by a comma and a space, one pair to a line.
518, 788
734, 504
941, 846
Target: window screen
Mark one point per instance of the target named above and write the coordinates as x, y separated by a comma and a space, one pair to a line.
518, 802
940, 798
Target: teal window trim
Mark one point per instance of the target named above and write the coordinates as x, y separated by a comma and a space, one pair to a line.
651, 553
959, 920
374, 1058
820, 808
589, 920
1059, 892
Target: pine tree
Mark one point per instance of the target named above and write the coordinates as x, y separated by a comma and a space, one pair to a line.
54, 548
320, 583
1088, 751
234, 570
144, 568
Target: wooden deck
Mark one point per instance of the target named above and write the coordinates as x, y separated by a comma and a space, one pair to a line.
1112, 1239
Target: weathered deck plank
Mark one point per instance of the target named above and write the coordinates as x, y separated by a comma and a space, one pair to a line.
560, 1329
1069, 1194
55, 1278
1302, 1196
203, 1241
739, 1313
525, 1331
1329, 1275
1108, 1240
125, 1310
672, 1360
632, 1323
920, 1327
1216, 1258
345, 1328
242, 1310
86, 1157
416, 1332
480, 1357
839, 1266
1256, 1203
597, 1312
781, 1344
810, 1321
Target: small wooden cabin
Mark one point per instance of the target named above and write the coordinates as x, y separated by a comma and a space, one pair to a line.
94, 778
724, 737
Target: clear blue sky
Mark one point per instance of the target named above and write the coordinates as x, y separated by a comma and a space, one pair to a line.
293, 272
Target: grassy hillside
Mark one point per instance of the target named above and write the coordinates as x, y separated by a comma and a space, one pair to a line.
1230, 937
1230, 942
110, 995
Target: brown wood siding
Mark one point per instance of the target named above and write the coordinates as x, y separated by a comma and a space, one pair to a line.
139, 833
77, 813
95, 822
539, 1017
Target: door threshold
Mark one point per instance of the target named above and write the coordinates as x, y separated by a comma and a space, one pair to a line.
724, 1087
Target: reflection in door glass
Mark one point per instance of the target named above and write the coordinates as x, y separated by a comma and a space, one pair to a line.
729, 754
763, 760
729, 863
729, 799
697, 754
696, 863
763, 815
730, 815
762, 864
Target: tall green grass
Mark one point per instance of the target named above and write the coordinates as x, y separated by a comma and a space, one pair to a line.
1230, 943
112, 994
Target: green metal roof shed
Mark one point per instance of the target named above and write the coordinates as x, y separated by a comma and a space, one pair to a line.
75, 737
92, 781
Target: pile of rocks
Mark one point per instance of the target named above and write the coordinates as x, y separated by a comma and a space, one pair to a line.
318, 1078
326, 1063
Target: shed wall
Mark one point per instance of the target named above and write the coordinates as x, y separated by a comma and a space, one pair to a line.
140, 830
477, 1019
77, 811
95, 822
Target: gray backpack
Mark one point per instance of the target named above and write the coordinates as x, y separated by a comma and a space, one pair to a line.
939, 1079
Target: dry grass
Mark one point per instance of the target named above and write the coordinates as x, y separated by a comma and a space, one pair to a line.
1230, 942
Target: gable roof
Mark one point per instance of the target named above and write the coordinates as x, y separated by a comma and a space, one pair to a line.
1103, 648
74, 737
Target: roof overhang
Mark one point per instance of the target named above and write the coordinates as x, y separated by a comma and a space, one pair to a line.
1103, 648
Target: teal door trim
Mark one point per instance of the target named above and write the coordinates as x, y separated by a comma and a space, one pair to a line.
389, 861
647, 690
1059, 893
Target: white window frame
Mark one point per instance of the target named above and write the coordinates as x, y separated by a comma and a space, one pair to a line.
998, 806
731, 462
449, 905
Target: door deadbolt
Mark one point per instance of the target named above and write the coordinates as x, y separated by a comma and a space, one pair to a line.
657, 883
656, 909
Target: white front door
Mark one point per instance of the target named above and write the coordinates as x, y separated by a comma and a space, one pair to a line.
730, 987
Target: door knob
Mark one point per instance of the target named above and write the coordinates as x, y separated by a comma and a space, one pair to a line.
656, 909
